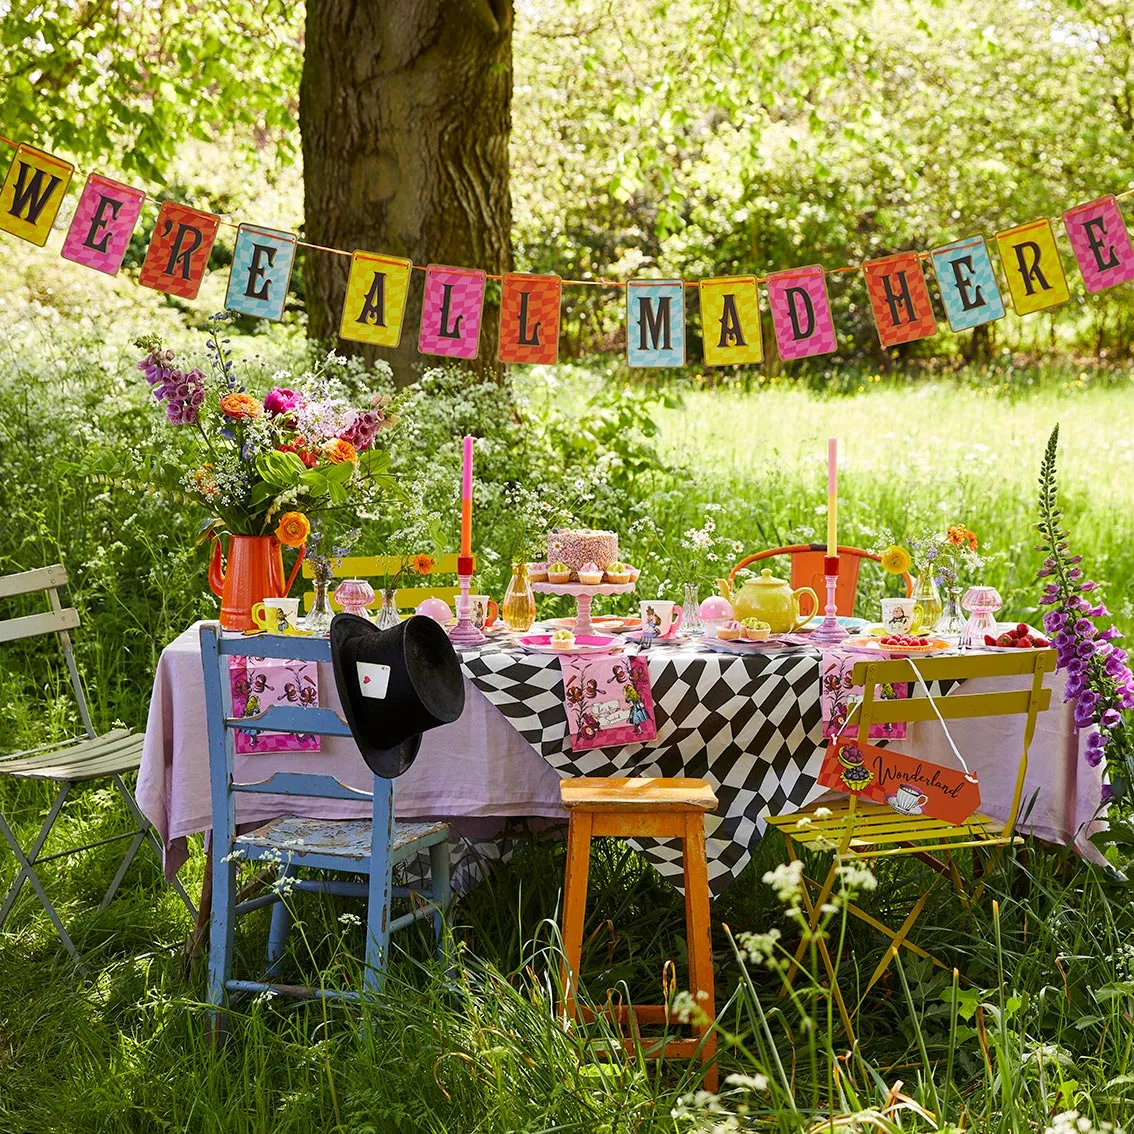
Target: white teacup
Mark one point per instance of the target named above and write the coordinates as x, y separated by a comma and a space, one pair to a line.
662, 614
897, 615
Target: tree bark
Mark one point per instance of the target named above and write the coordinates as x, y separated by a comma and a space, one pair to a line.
405, 114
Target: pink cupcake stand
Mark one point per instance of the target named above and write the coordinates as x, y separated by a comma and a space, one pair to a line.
583, 594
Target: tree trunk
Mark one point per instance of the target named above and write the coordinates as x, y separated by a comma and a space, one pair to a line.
405, 113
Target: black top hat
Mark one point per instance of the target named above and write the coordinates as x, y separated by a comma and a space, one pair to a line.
394, 684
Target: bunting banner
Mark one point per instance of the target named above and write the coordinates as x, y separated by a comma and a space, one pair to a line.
970, 291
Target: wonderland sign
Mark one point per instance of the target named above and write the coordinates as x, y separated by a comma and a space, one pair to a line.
378, 285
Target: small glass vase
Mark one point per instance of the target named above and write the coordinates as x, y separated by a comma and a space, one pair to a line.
691, 612
354, 596
981, 603
927, 604
518, 608
388, 616
952, 621
318, 618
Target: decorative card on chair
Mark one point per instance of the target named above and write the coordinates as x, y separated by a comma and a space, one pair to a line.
258, 684
837, 692
911, 786
608, 701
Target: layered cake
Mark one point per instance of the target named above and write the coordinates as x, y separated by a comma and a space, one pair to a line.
581, 547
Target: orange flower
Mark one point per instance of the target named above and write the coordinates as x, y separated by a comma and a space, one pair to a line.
293, 529
424, 564
960, 535
338, 451
205, 482
241, 407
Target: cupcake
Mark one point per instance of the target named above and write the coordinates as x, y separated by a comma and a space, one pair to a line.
562, 640
537, 572
729, 631
590, 574
634, 572
617, 573
559, 572
755, 630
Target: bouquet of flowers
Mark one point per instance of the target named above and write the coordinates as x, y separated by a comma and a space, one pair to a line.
268, 466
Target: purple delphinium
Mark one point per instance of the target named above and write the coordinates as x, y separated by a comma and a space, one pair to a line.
1099, 682
182, 392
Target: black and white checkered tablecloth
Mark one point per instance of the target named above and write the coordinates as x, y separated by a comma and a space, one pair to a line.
749, 725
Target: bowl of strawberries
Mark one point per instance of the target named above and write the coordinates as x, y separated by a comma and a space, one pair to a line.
1018, 637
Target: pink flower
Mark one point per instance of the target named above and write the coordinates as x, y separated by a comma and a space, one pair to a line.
281, 401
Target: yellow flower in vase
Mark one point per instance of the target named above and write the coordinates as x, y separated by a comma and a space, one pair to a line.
896, 560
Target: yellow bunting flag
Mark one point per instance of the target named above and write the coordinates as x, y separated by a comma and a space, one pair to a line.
730, 321
1031, 263
376, 294
32, 193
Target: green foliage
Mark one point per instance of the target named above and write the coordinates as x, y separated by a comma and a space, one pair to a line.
124, 84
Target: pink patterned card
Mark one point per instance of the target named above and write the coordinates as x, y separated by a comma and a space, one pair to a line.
836, 689
259, 683
608, 701
450, 312
1101, 243
103, 224
801, 313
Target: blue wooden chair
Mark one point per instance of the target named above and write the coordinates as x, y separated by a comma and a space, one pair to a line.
370, 847
70, 764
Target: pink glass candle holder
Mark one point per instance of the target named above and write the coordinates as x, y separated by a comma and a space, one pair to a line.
981, 603
830, 631
354, 596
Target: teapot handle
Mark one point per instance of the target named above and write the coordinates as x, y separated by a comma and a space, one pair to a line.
799, 618
295, 569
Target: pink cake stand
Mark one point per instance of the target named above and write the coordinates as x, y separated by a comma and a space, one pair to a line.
583, 595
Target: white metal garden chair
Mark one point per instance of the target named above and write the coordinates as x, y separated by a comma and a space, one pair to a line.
68, 763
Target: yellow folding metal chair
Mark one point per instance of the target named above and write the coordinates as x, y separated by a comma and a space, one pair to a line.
859, 830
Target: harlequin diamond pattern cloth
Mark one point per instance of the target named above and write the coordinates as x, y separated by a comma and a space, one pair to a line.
751, 726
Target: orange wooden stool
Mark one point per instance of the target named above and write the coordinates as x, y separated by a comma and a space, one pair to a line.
658, 808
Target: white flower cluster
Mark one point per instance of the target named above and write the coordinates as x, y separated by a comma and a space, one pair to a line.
759, 948
855, 878
1072, 1122
787, 881
1122, 959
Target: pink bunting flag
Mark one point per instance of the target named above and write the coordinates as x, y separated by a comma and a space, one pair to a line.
1101, 243
450, 312
103, 224
801, 313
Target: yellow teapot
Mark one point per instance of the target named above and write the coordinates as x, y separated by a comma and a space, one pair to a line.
771, 600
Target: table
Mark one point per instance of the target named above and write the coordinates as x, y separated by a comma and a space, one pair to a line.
749, 725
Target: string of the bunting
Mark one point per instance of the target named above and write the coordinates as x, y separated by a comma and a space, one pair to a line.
378, 285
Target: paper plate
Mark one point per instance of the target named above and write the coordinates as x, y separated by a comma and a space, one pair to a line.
584, 644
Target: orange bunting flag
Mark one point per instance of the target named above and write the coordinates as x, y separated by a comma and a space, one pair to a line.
377, 290
900, 299
32, 193
529, 318
730, 321
1032, 265
179, 250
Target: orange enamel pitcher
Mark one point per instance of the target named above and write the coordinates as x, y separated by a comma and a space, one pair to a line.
253, 573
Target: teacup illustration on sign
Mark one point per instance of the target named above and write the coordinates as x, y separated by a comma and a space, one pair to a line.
907, 800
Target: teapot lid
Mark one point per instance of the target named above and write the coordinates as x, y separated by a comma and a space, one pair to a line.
767, 579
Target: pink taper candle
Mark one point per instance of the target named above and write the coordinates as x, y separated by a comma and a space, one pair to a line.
832, 496
466, 500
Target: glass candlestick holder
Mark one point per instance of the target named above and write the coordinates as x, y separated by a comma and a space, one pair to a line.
981, 603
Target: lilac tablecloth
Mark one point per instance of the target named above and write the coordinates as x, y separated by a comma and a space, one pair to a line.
480, 770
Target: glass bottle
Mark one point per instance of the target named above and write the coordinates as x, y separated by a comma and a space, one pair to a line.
927, 603
691, 612
952, 621
318, 618
518, 608
388, 616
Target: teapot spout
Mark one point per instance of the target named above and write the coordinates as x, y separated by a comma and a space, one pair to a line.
726, 590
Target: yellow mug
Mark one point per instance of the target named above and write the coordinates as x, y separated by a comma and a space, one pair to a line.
276, 616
